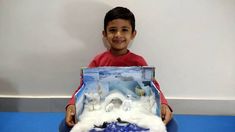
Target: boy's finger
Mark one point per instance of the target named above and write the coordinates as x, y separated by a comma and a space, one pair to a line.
167, 118
70, 118
72, 113
70, 121
70, 124
163, 112
168, 115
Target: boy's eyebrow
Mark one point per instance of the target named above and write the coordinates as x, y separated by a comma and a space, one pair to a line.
121, 27
125, 27
112, 27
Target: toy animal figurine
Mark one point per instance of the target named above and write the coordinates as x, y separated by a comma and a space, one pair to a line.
114, 103
127, 103
109, 107
139, 91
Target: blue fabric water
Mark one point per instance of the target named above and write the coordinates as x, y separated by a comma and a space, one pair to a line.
120, 127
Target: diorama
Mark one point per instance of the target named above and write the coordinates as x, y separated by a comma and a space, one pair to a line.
118, 99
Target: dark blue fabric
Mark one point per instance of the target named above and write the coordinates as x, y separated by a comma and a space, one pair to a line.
63, 127
120, 127
172, 126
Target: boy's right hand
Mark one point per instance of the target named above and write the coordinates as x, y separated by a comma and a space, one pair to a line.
70, 116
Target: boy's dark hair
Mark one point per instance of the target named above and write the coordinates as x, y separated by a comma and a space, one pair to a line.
119, 13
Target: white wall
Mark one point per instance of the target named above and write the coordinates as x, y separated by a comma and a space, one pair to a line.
43, 44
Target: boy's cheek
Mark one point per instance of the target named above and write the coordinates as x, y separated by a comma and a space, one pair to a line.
109, 35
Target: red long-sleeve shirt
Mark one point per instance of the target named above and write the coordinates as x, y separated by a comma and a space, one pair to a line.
108, 59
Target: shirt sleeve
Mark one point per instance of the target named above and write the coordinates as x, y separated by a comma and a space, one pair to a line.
92, 64
163, 99
141, 61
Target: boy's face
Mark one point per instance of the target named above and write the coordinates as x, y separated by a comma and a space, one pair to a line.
119, 34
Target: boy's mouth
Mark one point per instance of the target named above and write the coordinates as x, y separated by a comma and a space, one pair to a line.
118, 41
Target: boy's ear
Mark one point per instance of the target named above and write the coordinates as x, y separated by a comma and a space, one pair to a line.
134, 34
104, 34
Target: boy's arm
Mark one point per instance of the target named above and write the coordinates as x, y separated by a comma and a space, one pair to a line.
166, 110
163, 99
70, 110
72, 99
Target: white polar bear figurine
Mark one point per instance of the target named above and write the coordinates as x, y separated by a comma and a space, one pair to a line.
126, 105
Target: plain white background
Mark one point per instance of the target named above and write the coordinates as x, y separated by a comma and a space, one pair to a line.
43, 45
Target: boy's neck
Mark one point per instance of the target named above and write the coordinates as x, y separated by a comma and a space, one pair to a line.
119, 52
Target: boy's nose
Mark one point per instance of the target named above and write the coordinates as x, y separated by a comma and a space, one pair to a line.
117, 34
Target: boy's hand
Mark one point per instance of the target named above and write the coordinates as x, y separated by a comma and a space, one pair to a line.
166, 113
70, 116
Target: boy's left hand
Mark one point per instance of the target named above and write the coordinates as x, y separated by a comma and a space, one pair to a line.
166, 113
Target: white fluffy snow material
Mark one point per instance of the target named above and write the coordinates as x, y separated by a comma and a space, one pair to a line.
138, 114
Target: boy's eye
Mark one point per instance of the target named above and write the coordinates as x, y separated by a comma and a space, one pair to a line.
125, 30
112, 30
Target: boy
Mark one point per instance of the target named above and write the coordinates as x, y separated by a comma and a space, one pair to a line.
119, 30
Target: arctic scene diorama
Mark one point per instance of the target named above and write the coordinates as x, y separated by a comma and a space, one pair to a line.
118, 99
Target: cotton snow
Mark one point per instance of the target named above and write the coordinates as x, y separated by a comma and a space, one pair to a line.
139, 113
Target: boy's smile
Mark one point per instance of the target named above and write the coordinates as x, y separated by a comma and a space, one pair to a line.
119, 34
